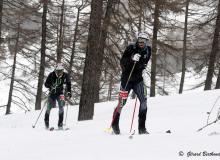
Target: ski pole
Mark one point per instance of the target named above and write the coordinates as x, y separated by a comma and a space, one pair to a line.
66, 113
41, 110
120, 103
212, 108
133, 114
130, 75
39, 116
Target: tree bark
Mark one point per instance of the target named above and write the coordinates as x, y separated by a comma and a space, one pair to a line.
217, 86
90, 74
74, 41
43, 55
60, 41
214, 52
109, 98
140, 17
154, 48
101, 50
184, 48
1, 8
8, 108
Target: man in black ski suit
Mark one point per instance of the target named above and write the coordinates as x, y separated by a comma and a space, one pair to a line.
55, 82
137, 54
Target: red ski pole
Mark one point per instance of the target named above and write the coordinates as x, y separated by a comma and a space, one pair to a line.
133, 114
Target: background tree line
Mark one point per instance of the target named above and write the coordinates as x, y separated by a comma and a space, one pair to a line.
89, 36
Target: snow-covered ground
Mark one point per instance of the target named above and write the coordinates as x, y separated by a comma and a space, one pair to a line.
87, 140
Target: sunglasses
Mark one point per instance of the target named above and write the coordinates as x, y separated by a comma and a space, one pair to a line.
141, 40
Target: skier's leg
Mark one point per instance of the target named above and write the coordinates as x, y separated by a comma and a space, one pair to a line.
116, 114
139, 90
61, 103
50, 104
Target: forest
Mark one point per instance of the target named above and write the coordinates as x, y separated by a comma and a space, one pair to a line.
89, 38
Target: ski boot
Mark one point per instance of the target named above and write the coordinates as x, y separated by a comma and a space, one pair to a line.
142, 131
141, 124
115, 124
116, 129
60, 121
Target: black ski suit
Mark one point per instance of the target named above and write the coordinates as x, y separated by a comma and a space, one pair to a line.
127, 63
55, 85
136, 79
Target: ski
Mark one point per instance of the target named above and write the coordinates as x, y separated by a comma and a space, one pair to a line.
49, 128
58, 129
63, 129
133, 133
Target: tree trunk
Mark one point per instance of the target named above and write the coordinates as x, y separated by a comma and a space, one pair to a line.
8, 108
109, 98
90, 74
43, 55
140, 17
1, 7
184, 49
154, 48
214, 51
102, 42
60, 42
164, 72
217, 86
74, 42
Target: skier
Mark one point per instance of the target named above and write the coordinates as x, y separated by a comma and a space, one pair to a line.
136, 55
55, 82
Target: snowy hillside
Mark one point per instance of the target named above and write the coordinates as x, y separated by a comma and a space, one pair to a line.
182, 114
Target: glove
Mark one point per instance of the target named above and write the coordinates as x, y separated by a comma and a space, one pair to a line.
144, 75
136, 57
69, 95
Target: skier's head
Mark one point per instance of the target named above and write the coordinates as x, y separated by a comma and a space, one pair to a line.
142, 39
59, 69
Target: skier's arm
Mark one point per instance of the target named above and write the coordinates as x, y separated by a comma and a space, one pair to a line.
144, 72
48, 82
126, 60
141, 66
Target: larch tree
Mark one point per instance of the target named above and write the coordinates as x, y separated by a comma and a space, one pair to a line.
102, 44
184, 47
43, 55
76, 34
8, 108
154, 47
217, 86
214, 52
61, 34
90, 75
1, 7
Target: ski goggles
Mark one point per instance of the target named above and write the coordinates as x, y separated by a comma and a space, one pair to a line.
142, 40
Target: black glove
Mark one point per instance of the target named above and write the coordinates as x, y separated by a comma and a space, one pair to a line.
69, 95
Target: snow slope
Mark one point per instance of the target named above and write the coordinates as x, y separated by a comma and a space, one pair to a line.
87, 140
